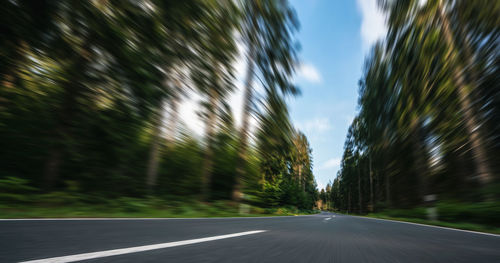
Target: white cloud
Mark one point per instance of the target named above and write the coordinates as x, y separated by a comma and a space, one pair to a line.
320, 186
373, 25
332, 163
309, 72
316, 125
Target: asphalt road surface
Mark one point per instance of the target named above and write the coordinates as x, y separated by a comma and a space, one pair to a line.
325, 237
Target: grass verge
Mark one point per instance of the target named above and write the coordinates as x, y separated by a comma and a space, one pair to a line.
139, 208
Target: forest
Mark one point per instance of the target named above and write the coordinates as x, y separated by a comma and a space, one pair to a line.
427, 130
89, 106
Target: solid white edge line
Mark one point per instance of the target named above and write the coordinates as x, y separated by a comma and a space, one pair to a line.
442, 227
122, 251
142, 218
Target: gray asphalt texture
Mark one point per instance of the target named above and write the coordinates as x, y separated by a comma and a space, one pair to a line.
288, 239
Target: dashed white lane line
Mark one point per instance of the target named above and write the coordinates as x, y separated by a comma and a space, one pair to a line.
121, 251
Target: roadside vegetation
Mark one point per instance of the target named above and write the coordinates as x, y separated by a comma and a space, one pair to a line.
127, 207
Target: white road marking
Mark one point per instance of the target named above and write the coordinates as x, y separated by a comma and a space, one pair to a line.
328, 218
442, 227
121, 251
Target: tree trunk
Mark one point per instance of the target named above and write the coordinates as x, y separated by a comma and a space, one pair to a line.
418, 155
372, 207
172, 124
349, 200
154, 153
302, 181
52, 168
73, 90
299, 176
387, 190
210, 130
484, 174
65, 116
244, 133
360, 195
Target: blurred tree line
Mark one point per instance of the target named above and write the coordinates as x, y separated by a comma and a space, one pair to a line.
429, 115
90, 95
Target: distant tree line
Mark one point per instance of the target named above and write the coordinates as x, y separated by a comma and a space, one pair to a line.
429, 113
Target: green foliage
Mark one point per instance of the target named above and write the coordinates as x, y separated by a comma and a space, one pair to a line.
418, 212
487, 213
271, 194
15, 190
180, 171
143, 207
15, 185
89, 108
58, 199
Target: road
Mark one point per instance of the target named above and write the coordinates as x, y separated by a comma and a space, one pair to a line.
325, 237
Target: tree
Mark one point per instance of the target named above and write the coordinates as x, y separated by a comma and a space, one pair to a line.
175, 36
267, 28
421, 93
428, 16
90, 95
221, 48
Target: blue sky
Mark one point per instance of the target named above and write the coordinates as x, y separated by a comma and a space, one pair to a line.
335, 35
